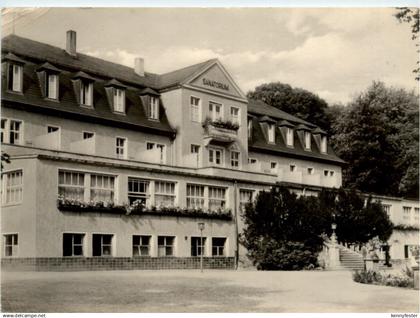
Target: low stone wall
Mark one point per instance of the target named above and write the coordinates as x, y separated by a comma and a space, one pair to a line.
113, 263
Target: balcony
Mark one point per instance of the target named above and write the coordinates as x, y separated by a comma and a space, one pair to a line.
312, 179
255, 167
329, 182
48, 141
85, 146
224, 132
155, 155
293, 177
191, 161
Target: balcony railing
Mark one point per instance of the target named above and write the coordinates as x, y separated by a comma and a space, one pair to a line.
220, 131
86, 146
191, 161
294, 177
152, 155
312, 179
48, 141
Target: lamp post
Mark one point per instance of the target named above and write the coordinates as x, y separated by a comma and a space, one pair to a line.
333, 236
201, 228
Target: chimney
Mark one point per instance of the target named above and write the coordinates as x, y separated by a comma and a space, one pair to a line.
71, 43
139, 66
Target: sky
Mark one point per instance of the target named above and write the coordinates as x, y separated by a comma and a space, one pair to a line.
335, 53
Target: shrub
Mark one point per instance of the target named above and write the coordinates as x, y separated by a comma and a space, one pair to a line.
382, 278
283, 255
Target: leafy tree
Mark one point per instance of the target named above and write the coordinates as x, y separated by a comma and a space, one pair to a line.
411, 16
285, 232
295, 101
377, 134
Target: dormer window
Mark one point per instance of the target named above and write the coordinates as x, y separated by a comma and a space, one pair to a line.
307, 140
324, 144
289, 137
86, 93
15, 78
271, 133
51, 85
14, 68
119, 100
153, 110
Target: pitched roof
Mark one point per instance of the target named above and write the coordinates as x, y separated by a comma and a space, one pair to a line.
68, 105
259, 143
261, 108
178, 76
41, 52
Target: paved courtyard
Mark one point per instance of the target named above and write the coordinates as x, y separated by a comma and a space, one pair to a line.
192, 291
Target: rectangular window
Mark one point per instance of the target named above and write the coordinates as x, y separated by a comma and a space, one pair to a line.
164, 193
15, 77
324, 144
152, 145
141, 245
52, 86
245, 197
86, 93
217, 198
292, 168
73, 244
102, 244
289, 137
215, 156
273, 165
307, 140
51, 129
310, 170
234, 114
198, 246
88, 135
195, 196
101, 188
195, 109
218, 246
71, 185
326, 173
271, 133
215, 111
15, 132
252, 161
166, 245
195, 149
387, 209
121, 147
119, 100
154, 108
3, 129
407, 213
138, 190
234, 159
10, 245
12, 187
331, 173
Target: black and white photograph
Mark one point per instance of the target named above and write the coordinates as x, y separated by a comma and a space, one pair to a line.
210, 160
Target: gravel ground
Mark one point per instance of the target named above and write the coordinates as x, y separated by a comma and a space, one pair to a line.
192, 291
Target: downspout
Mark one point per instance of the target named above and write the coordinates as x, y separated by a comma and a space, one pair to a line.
235, 207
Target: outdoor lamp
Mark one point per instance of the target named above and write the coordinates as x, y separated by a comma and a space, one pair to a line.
333, 226
201, 228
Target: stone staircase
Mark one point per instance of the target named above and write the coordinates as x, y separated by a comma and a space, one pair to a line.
350, 260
